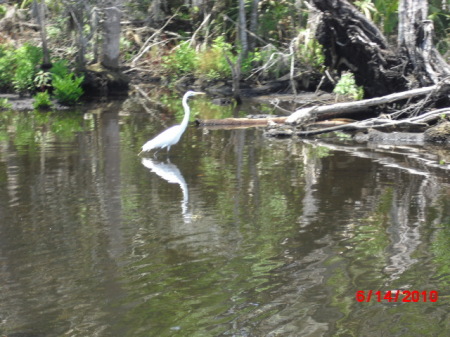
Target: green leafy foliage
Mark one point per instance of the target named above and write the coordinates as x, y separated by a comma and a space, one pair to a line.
276, 19
6, 67
27, 59
182, 60
212, 62
43, 80
385, 14
60, 68
367, 7
19, 71
4, 104
68, 89
441, 21
42, 100
310, 51
18, 67
347, 87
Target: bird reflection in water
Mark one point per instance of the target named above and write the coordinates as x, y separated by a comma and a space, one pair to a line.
172, 175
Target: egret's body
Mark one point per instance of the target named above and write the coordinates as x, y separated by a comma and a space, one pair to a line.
172, 135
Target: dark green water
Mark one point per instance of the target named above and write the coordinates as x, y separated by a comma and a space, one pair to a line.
236, 235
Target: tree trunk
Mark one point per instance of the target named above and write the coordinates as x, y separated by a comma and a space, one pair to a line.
236, 75
76, 12
415, 40
242, 28
253, 24
111, 38
155, 14
40, 18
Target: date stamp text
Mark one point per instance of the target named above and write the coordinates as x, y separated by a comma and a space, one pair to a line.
397, 296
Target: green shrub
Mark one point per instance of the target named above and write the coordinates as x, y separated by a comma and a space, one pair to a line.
18, 67
42, 100
7, 66
182, 60
347, 87
276, 19
27, 59
68, 89
212, 63
209, 63
310, 51
43, 80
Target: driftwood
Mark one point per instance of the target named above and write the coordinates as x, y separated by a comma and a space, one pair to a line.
316, 119
247, 122
418, 117
371, 123
339, 109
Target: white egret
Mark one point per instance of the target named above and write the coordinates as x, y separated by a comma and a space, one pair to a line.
172, 135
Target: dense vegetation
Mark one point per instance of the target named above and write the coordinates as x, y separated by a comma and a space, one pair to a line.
254, 40
19, 72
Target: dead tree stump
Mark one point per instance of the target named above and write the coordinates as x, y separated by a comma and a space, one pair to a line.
353, 42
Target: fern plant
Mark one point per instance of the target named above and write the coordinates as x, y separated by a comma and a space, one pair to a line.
42, 100
68, 90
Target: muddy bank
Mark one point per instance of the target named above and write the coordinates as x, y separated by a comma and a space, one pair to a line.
25, 103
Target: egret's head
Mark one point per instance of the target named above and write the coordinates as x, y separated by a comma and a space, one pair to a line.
193, 93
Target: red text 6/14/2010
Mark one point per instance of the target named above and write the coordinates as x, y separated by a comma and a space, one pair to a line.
397, 296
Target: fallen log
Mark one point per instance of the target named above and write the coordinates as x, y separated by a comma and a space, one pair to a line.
248, 122
381, 123
334, 110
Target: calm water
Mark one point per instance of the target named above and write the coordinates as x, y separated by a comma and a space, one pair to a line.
235, 235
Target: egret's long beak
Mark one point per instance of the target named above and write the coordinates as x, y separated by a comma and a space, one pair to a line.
199, 93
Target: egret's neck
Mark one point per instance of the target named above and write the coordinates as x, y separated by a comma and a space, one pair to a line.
185, 121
